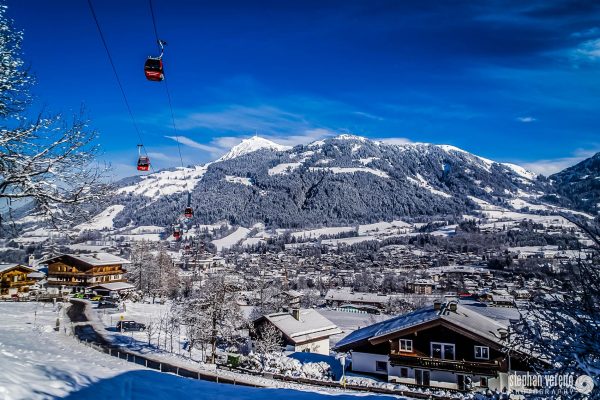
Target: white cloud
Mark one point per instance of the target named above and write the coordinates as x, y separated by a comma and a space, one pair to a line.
551, 166
587, 51
526, 119
236, 118
192, 143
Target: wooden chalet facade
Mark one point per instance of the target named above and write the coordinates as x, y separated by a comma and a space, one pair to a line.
14, 279
442, 346
80, 271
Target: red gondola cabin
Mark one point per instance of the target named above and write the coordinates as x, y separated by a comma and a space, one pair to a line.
143, 163
154, 69
188, 213
176, 233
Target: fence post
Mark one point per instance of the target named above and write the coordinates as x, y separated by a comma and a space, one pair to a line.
146, 362
119, 354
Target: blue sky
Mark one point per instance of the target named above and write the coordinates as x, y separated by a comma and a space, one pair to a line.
511, 81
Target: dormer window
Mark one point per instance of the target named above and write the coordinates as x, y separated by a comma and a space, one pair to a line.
406, 345
482, 352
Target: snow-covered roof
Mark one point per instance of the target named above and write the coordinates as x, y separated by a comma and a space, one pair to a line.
115, 286
346, 295
310, 326
7, 267
464, 317
97, 259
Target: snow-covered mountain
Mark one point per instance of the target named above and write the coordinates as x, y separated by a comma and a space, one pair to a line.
343, 180
579, 186
250, 145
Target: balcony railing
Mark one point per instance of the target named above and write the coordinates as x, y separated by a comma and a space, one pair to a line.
474, 367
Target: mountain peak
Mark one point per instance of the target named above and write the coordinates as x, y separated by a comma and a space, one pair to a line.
250, 145
346, 136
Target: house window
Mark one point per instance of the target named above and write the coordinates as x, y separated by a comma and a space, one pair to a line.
403, 372
381, 366
406, 345
483, 381
444, 351
482, 352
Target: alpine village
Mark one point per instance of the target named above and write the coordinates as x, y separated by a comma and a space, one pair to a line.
312, 262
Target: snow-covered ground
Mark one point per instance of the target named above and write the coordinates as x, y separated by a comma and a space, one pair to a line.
37, 362
230, 240
104, 220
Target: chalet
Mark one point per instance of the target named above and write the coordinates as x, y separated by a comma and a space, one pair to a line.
80, 271
14, 279
446, 345
303, 329
422, 286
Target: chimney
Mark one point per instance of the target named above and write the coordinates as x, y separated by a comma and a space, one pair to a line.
296, 313
31, 261
452, 306
437, 305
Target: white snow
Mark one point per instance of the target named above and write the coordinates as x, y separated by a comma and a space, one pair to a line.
345, 136
368, 160
238, 179
232, 239
104, 220
350, 170
284, 168
316, 233
251, 145
383, 227
38, 363
420, 181
167, 182
486, 162
517, 169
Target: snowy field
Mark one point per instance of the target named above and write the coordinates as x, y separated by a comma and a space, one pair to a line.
37, 362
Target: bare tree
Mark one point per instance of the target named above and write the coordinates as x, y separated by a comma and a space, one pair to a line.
48, 161
219, 309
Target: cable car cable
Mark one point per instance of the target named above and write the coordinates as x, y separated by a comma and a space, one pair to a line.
110, 59
158, 40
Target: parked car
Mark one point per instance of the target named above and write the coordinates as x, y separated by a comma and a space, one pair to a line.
107, 304
96, 298
127, 326
79, 296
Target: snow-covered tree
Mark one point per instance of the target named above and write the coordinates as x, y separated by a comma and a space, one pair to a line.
268, 340
48, 160
213, 315
564, 328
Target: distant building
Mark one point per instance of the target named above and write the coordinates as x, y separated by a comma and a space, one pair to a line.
422, 286
14, 279
341, 296
304, 329
446, 346
80, 271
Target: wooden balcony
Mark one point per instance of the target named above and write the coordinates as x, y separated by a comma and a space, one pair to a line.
17, 284
473, 367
